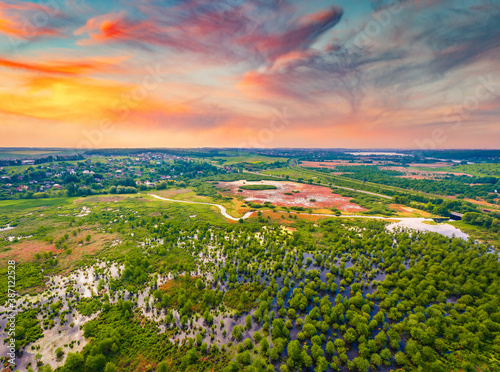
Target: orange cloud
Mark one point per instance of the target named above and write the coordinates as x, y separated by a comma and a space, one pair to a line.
68, 67
82, 101
110, 27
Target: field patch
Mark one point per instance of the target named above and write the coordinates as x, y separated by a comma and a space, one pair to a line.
290, 194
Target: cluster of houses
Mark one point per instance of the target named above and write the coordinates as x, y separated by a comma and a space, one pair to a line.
107, 169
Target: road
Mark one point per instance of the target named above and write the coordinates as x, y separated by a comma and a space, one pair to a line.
223, 210
402, 222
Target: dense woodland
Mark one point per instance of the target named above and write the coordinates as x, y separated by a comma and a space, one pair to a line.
343, 295
450, 185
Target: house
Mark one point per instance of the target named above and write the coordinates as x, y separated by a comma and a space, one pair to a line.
56, 186
28, 162
21, 188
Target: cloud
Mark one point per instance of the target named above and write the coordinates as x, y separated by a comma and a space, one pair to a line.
246, 31
66, 67
81, 100
23, 21
312, 77
418, 48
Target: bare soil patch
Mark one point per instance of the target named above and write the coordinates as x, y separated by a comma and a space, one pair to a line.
291, 194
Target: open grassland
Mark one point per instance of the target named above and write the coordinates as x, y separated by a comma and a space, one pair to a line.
234, 205
478, 233
405, 211
21, 154
234, 158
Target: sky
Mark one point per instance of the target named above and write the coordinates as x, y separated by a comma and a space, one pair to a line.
419, 74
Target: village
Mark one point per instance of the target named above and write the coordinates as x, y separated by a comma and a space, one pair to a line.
97, 174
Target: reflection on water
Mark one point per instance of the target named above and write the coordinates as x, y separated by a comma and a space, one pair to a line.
418, 224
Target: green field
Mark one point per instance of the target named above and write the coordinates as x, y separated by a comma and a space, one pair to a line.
234, 158
22, 154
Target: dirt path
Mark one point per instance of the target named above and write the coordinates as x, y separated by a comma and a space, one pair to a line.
223, 210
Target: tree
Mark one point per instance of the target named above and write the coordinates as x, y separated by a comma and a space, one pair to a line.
59, 353
199, 339
309, 330
238, 333
321, 365
264, 346
376, 360
294, 354
74, 362
244, 358
111, 367
316, 351
350, 335
95, 362
248, 343
386, 354
248, 321
200, 285
244, 297
361, 364
330, 348
400, 358
274, 354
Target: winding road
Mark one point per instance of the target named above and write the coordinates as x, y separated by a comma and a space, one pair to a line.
417, 223
223, 210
